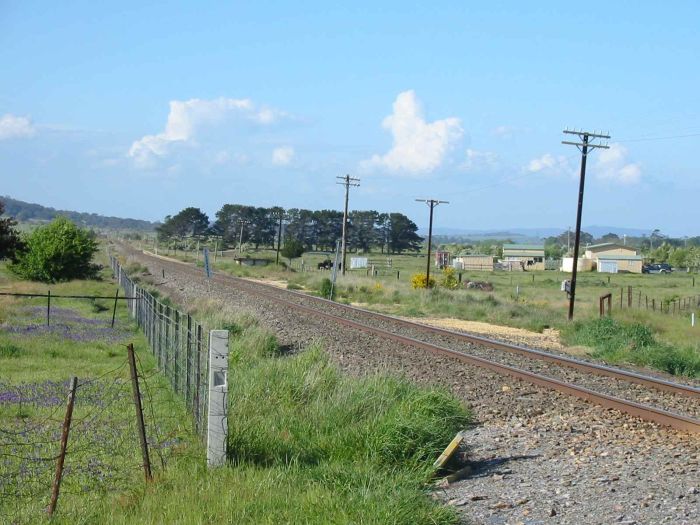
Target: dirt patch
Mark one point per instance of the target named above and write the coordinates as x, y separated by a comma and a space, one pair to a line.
271, 282
548, 339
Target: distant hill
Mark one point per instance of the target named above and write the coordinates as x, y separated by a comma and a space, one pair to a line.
523, 234
30, 212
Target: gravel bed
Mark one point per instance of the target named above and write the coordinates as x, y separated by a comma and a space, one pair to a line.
537, 456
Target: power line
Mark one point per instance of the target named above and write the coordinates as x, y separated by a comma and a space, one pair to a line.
346, 181
667, 137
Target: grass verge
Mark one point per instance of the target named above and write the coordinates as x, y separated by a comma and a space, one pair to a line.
622, 342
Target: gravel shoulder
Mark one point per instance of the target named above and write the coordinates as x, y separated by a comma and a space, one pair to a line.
537, 456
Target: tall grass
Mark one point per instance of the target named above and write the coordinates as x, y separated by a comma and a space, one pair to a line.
307, 444
635, 343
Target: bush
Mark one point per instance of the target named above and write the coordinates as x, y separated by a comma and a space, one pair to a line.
419, 280
326, 288
59, 251
449, 279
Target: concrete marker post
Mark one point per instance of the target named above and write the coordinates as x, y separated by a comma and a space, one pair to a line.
217, 421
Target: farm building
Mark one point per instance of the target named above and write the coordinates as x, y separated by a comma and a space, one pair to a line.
442, 259
612, 258
619, 263
473, 262
584, 265
527, 256
607, 258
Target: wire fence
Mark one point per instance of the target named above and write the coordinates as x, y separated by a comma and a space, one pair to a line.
628, 298
178, 342
95, 443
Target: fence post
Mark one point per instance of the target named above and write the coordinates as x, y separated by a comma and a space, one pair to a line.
64, 443
166, 323
176, 348
629, 297
114, 310
198, 380
621, 292
188, 363
217, 420
139, 412
48, 309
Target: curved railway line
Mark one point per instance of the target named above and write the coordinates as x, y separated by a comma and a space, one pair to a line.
664, 402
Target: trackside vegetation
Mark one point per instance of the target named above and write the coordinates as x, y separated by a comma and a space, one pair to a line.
635, 343
307, 444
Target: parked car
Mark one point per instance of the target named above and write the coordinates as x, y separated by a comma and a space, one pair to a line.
657, 268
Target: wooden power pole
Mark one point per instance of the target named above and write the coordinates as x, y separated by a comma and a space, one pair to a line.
346, 181
431, 204
584, 146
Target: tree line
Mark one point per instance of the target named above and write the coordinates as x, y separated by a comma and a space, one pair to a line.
314, 230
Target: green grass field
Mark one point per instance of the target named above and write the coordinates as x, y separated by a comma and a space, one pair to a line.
103, 463
530, 300
306, 444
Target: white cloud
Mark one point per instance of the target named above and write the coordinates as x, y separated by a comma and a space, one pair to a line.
480, 160
12, 127
612, 165
187, 117
282, 156
419, 147
550, 165
504, 131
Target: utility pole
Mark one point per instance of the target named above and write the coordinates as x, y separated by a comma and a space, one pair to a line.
346, 181
280, 218
584, 146
431, 204
242, 222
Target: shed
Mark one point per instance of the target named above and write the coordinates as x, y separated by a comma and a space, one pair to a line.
619, 263
530, 255
475, 261
583, 265
442, 259
594, 251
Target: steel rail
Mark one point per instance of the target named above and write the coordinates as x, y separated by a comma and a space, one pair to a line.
656, 415
602, 370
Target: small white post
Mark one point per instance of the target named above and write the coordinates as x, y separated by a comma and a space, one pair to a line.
692, 319
217, 420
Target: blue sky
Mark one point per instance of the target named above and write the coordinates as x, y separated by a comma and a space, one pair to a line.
140, 110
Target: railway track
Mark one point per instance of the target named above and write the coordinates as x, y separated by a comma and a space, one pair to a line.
654, 399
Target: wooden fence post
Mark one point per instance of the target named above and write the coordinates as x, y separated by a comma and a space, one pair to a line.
114, 310
64, 444
139, 413
48, 309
